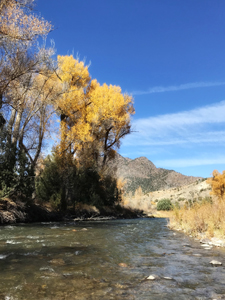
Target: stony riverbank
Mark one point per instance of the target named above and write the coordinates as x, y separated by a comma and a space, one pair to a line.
12, 212
206, 241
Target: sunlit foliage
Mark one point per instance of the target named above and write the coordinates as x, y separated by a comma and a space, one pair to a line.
217, 182
94, 117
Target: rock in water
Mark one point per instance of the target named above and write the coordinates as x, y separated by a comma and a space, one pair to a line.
152, 277
123, 265
216, 263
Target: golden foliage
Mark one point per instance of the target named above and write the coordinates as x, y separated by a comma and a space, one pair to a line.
93, 117
16, 23
217, 183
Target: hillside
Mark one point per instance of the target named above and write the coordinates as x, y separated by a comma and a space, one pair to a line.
186, 194
142, 172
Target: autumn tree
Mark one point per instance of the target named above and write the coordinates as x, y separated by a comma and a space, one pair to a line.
26, 84
109, 114
93, 118
217, 182
19, 30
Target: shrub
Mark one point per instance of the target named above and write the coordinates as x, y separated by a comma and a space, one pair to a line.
181, 199
164, 204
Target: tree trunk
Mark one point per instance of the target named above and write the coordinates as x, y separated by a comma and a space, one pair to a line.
10, 126
16, 131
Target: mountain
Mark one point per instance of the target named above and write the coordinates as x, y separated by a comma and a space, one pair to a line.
142, 172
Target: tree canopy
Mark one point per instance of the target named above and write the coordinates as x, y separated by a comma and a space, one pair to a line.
94, 117
35, 91
217, 182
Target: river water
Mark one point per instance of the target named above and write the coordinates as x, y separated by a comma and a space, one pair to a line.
106, 260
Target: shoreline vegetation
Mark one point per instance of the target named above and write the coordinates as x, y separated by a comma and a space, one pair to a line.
204, 219
15, 212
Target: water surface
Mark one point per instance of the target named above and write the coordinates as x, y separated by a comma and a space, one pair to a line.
106, 260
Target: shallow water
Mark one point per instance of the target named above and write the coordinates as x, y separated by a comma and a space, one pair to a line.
106, 260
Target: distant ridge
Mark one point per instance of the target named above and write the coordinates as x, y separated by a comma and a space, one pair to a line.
142, 172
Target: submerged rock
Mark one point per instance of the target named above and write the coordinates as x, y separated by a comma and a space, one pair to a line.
123, 265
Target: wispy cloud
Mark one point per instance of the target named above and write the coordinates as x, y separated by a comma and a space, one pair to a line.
178, 141
190, 162
171, 88
201, 125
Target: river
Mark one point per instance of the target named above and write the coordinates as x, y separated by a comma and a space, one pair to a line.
106, 260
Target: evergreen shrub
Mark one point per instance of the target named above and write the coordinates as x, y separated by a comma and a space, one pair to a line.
164, 204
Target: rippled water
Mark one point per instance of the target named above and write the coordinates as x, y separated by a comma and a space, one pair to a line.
106, 260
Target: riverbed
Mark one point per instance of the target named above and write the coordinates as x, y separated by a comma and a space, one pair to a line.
107, 260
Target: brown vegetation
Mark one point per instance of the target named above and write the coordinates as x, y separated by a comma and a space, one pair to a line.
204, 217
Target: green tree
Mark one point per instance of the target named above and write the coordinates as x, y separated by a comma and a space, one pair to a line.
16, 172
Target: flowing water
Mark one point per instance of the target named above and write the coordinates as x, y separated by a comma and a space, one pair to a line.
106, 260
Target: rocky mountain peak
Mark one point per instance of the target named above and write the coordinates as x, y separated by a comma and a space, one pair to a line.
142, 172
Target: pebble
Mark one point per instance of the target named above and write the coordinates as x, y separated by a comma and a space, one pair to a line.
84, 229
168, 278
206, 246
123, 265
215, 263
151, 277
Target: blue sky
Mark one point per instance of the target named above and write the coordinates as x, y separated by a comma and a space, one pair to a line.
170, 55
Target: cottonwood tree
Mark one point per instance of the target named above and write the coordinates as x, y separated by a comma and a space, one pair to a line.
93, 118
25, 73
19, 30
217, 182
26, 80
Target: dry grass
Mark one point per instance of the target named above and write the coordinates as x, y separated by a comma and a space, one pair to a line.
205, 218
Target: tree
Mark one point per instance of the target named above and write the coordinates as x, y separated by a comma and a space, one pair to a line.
19, 30
93, 118
217, 182
16, 173
25, 75
26, 92
64, 183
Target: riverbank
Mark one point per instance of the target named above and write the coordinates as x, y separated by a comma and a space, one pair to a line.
188, 221
12, 212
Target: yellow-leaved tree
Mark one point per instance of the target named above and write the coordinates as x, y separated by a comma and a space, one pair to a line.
217, 182
93, 117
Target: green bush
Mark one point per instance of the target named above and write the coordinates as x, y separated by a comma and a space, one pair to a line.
164, 204
181, 199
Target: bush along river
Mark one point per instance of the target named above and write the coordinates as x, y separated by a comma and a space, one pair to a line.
117, 259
